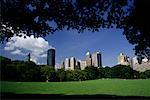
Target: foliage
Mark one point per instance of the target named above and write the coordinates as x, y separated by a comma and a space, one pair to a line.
69, 75
145, 75
29, 71
42, 17
48, 72
61, 75
105, 72
91, 72
79, 75
4, 60
120, 71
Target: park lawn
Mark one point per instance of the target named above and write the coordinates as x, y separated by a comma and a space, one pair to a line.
119, 87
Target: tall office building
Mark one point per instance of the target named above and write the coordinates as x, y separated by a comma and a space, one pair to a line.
123, 59
51, 57
135, 60
62, 64
96, 59
83, 65
67, 63
88, 59
78, 64
72, 63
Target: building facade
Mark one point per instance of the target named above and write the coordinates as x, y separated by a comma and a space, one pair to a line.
83, 65
72, 63
123, 59
51, 57
88, 59
62, 64
78, 64
141, 67
96, 59
67, 63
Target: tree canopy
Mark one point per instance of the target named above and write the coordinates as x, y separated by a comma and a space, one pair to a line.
42, 17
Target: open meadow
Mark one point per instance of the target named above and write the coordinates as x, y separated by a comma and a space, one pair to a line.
119, 87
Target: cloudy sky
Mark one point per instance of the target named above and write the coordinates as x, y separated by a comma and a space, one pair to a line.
110, 42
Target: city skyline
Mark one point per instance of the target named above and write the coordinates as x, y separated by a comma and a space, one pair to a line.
110, 42
91, 60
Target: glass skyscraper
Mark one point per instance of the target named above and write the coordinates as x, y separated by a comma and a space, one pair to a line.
51, 57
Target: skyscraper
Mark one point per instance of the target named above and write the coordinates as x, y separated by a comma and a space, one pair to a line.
123, 59
67, 63
51, 57
72, 63
135, 60
83, 65
62, 64
78, 64
96, 59
88, 59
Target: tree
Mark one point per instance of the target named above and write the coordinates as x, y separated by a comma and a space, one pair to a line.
79, 75
122, 71
69, 75
4, 61
145, 75
48, 73
91, 72
105, 72
3, 66
42, 17
61, 75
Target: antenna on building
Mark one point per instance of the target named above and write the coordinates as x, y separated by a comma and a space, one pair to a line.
29, 57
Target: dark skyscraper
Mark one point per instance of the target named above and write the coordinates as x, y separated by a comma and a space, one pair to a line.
51, 57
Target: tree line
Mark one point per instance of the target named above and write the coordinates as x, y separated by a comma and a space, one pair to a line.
28, 71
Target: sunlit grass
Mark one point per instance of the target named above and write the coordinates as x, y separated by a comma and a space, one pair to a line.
102, 86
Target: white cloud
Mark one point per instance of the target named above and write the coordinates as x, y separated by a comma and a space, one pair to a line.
37, 47
17, 51
44, 55
9, 47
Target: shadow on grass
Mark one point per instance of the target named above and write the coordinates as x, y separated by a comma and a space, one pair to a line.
62, 96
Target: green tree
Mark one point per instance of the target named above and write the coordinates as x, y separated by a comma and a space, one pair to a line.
33, 17
25, 71
122, 71
79, 75
91, 72
61, 75
69, 75
4, 67
106, 72
147, 73
142, 75
48, 73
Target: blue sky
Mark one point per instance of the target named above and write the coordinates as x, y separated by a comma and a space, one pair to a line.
110, 42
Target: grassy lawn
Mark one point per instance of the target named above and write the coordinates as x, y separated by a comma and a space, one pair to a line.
118, 87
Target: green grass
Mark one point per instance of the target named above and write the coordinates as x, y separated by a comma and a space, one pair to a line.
102, 86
